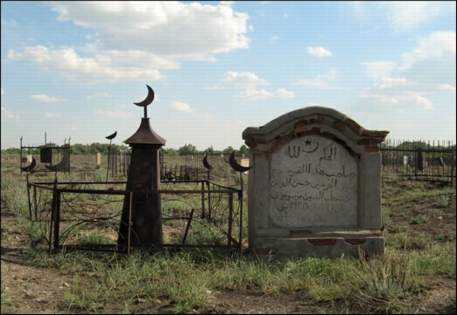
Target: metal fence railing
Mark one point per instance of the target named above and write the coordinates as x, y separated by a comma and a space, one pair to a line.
420, 160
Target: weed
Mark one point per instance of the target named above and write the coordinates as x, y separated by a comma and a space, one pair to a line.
444, 201
382, 285
420, 219
405, 241
5, 298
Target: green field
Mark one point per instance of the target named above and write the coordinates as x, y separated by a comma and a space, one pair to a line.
417, 274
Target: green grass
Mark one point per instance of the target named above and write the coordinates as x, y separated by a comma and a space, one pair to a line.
5, 298
184, 281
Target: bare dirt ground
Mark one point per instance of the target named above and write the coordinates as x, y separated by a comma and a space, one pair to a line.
29, 289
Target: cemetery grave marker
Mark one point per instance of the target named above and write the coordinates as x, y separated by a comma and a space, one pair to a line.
315, 188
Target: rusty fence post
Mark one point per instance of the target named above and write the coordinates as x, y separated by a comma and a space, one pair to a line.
209, 199
28, 197
53, 214
240, 198
129, 223
20, 157
230, 219
203, 199
35, 206
188, 226
57, 222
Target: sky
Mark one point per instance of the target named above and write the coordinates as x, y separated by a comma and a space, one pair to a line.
74, 69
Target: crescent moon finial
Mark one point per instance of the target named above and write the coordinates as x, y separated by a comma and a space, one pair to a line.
111, 136
29, 168
234, 164
147, 101
206, 164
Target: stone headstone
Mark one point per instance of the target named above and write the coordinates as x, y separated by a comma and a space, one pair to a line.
98, 159
405, 160
315, 185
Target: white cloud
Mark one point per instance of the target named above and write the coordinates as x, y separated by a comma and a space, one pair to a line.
406, 15
181, 106
283, 93
401, 15
162, 28
112, 113
3, 91
421, 101
407, 83
99, 95
388, 82
253, 94
8, 114
137, 40
319, 52
379, 69
243, 79
274, 38
374, 99
446, 87
227, 3
434, 46
43, 98
249, 83
52, 115
322, 81
111, 65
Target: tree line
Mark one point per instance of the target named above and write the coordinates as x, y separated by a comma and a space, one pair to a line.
93, 148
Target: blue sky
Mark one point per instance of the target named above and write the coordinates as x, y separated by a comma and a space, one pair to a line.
74, 69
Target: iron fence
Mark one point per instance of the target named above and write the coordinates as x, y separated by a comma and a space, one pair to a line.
80, 215
177, 167
420, 160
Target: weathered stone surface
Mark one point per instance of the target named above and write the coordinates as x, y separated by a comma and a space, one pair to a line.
313, 183
314, 189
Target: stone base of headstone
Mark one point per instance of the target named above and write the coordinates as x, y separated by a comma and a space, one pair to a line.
322, 245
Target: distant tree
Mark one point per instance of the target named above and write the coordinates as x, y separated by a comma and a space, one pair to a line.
169, 151
228, 150
244, 150
209, 150
187, 149
413, 144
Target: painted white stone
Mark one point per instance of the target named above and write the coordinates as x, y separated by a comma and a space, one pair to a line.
313, 183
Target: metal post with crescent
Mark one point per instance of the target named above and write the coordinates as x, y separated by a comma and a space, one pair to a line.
110, 138
147, 101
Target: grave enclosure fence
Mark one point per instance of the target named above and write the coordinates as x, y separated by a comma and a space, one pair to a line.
433, 161
176, 167
81, 215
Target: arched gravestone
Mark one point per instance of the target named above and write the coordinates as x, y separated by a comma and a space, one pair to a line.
315, 185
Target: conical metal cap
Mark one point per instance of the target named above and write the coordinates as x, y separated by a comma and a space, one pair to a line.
145, 135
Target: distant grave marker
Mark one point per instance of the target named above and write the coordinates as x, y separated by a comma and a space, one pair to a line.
315, 188
98, 159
